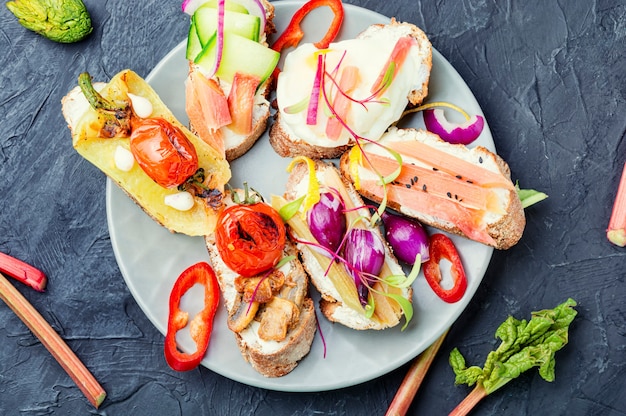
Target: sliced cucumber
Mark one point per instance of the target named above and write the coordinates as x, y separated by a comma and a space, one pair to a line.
194, 47
231, 5
240, 54
245, 25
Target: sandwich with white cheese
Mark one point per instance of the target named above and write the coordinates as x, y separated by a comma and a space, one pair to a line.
355, 88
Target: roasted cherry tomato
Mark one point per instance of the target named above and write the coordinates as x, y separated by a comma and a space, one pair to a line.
441, 247
163, 151
250, 238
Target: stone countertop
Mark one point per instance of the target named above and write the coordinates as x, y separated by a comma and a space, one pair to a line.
551, 79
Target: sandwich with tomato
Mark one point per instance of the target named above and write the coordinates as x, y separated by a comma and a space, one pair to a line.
125, 130
230, 72
263, 283
356, 88
362, 286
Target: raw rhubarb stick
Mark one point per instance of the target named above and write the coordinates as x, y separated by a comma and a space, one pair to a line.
53, 342
616, 232
23, 272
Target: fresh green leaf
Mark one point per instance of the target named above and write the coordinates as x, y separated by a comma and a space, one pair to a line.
405, 305
524, 345
290, 209
529, 196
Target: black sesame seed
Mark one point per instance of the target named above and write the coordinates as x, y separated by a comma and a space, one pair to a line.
449, 194
424, 187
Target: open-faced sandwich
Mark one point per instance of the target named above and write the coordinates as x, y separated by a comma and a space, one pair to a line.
447, 186
356, 87
345, 255
230, 73
264, 286
125, 130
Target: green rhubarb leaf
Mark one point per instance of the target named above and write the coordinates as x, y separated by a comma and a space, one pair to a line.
524, 345
464, 375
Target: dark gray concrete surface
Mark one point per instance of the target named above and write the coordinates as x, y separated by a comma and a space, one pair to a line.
551, 79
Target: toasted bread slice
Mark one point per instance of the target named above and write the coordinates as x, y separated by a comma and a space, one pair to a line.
464, 191
270, 354
85, 125
235, 144
342, 305
355, 67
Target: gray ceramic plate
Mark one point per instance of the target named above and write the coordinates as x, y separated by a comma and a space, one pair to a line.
151, 258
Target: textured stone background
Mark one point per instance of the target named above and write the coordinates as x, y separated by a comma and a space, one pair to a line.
551, 79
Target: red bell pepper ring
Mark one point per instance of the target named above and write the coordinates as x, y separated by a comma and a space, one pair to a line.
442, 247
293, 33
23, 272
200, 326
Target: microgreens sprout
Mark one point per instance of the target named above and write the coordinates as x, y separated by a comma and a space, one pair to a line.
248, 197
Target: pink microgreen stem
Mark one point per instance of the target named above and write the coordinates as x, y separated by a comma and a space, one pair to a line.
319, 329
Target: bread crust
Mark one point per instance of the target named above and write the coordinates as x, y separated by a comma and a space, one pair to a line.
289, 146
506, 231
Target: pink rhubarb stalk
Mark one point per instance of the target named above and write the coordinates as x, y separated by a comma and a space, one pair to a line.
616, 231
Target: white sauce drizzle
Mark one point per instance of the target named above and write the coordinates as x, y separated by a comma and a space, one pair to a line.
182, 201
124, 159
141, 106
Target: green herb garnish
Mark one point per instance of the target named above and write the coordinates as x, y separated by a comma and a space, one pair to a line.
529, 196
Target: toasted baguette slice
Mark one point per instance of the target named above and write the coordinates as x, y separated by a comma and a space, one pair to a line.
451, 187
85, 125
342, 306
234, 144
270, 357
292, 134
